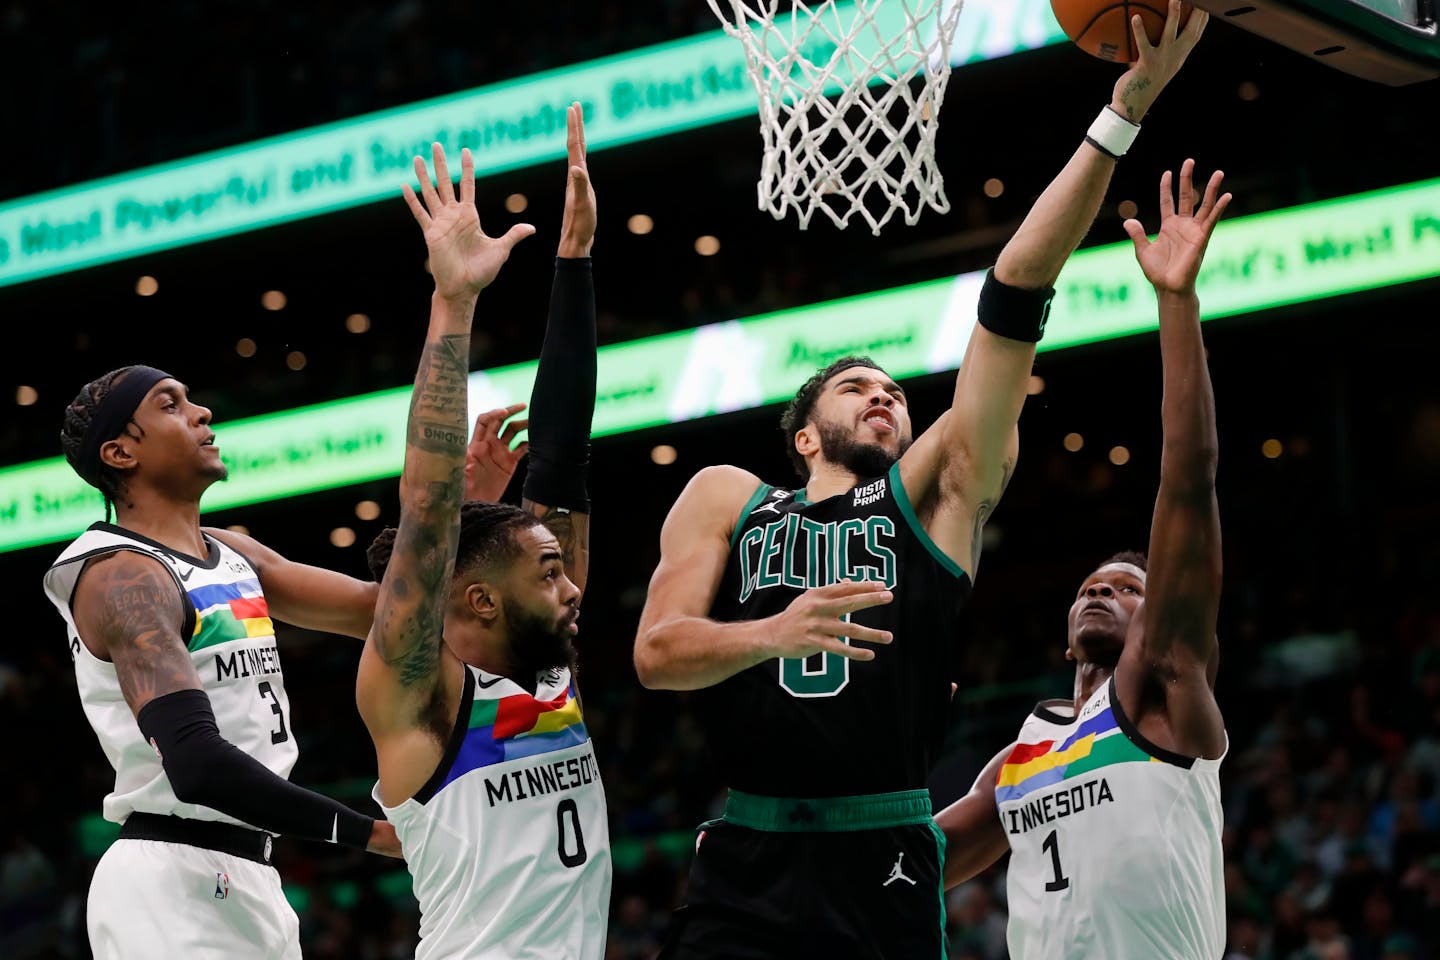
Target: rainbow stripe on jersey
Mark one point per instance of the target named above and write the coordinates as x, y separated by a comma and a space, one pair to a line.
229, 611
516, 726
1099, 742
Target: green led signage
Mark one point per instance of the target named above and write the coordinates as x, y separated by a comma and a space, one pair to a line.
1304, 253
634, 96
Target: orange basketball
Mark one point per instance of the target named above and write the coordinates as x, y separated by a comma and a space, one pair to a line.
1102, 27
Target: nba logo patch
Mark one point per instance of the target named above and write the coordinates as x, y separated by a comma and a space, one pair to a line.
222, 886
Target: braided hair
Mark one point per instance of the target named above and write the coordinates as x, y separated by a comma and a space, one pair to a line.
78, 416
487, 538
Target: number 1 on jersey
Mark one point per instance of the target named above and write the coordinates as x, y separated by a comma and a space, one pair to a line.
830, 678
1061, 881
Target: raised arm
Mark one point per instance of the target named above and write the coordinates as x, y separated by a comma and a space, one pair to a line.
129, 610
306, 596
400, 666
957, 471
678, 648
1182, 591
974, 836
562, 403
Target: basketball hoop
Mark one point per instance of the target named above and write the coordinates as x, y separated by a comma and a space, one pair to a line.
850, 98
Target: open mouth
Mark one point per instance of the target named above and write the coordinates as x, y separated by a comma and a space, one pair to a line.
880, 417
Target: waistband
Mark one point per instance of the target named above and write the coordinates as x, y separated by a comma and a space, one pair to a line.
828, 814
210, 834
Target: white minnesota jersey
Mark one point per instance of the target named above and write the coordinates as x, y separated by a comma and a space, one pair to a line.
508, 844
232, 644
1115, 842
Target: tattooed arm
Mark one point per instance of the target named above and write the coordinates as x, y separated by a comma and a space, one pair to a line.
400, 668
128, 610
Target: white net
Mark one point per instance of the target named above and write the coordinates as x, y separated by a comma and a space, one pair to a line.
850, 98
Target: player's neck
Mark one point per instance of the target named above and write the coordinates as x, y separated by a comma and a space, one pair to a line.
486, 649
1090, 677
175, 525
828, 479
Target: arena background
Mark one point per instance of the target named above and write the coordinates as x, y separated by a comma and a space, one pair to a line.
1330, 624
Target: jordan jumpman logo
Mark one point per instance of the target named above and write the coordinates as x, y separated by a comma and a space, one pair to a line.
898, 873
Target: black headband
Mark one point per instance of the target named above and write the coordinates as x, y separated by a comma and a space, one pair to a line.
116, 410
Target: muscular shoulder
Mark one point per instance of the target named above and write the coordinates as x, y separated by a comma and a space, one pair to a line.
710, 503
721, 488
122, 594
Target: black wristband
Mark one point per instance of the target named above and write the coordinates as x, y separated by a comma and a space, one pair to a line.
1013, 312
206, 769
1101, 147
562, 404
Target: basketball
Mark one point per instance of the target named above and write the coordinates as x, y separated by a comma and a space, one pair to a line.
1102, 27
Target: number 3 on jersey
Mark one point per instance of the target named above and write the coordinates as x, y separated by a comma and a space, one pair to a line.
800, 679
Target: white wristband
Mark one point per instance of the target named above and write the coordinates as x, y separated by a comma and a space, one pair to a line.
1111, 133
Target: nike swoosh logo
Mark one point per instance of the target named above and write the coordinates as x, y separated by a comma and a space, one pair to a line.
335, 829
486, 684
185, 577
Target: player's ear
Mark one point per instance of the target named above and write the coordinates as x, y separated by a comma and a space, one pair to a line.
807, 440
115, 453
482, 602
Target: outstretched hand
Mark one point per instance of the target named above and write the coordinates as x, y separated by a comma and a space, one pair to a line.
577, 228
1172, 260
1138, 87
489, 460
463, 259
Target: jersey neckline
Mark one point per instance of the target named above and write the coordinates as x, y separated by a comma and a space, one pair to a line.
209, 563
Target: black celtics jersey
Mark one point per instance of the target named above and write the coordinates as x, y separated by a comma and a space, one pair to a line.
828, 726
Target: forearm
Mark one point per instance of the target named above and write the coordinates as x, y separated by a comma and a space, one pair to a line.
1187, 412
562, 404
690, 653
436, 425
205, 769
1057, 222
409, 616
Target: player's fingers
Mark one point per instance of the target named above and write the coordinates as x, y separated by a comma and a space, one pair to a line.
580, 126
1137, 234
442, 173
467, 176
522, 449
1218, 211
413, 202
427, 189
1167, 197
573, 150
863, 601
515, 234
1212, 189
845, 588
1137, 32
511, 429
1172, 20
831, 645
486, 424
1187, 188
856, 631
1195, 26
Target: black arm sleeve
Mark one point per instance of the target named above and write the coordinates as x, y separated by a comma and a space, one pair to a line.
563, 402
207, 769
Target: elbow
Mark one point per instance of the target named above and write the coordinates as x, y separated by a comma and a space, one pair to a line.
1192, 471
189, 782
647, 666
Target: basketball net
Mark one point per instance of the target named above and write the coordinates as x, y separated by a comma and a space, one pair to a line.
850, 96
